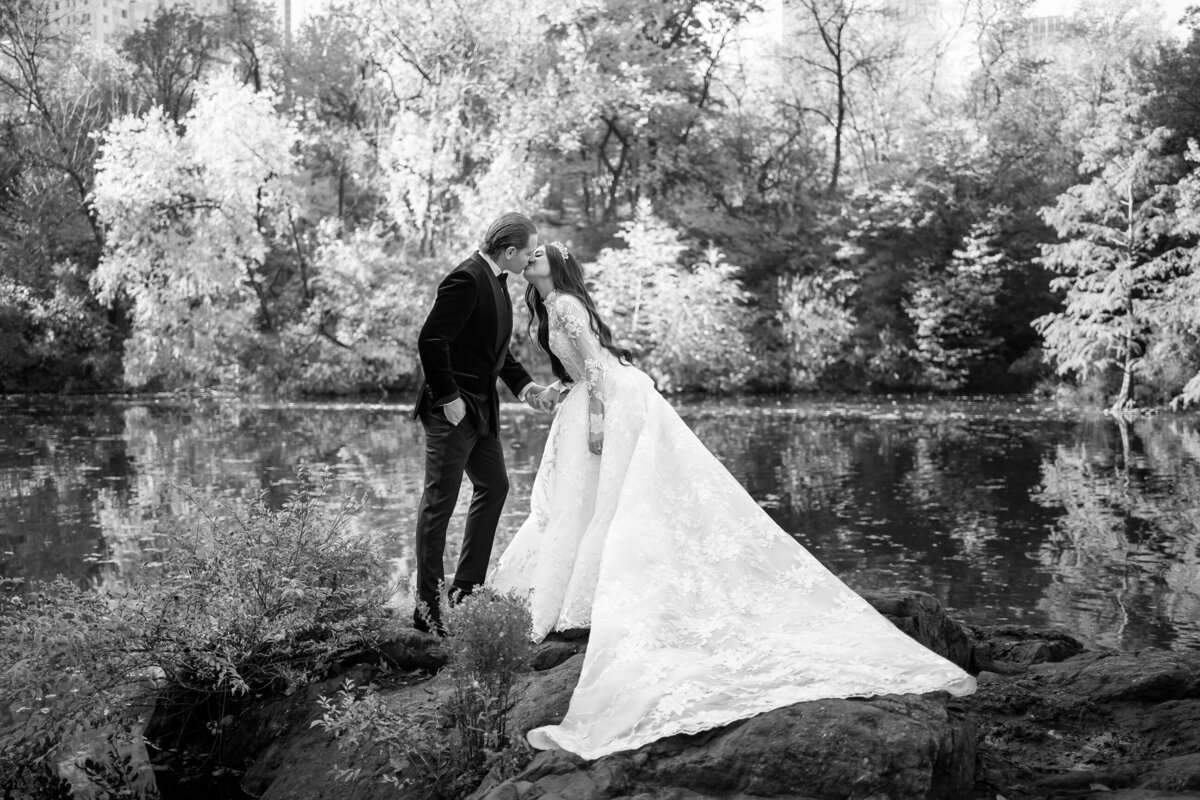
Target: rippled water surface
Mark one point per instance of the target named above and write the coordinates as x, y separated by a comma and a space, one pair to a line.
1007, 512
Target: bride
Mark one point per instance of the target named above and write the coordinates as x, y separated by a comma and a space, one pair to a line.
702, 610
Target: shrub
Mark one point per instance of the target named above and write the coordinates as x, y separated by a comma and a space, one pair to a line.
488, 646
264, 602
271, 600
685, 324
817, 323
410, 740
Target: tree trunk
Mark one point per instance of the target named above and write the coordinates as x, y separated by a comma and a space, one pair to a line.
1120, 407
839, 127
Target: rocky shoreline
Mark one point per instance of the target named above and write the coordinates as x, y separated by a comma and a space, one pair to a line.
1049, 720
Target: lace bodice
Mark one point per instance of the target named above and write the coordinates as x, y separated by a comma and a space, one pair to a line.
577, 347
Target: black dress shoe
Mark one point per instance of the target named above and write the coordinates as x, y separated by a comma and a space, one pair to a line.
459, 592
420, 624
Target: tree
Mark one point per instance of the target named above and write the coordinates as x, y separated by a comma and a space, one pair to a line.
55, 94
817, 324
634, 92
330, 82
171, 53
1173, 77
251, 32
453, 85
686, 324
64, 92
841, 44
194, 220
1116, 256
1177, 349
951, 310
360, 328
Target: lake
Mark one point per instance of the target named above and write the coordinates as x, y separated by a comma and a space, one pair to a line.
1007, 511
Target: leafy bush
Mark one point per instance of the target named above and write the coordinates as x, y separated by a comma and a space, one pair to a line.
54, 338
951, 308
410, 739
262, 602
360, 329
817, 324
271, 600
686, 325
488, 647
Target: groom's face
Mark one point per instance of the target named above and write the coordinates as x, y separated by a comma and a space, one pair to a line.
516, 260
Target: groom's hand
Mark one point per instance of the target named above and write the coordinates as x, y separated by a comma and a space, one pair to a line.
538, 398
455, 410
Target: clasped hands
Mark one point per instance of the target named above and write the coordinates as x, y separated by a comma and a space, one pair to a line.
539, 398
545, 398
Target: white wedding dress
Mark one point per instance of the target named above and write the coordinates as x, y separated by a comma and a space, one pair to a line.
702, 610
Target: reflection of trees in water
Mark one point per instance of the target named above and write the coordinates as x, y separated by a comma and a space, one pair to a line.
939, 504
1002, 518
817, 462
229, 455
53, 459
1125, 551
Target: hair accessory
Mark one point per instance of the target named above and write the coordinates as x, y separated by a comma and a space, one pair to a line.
562, 249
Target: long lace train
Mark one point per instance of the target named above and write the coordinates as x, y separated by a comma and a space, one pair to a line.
702, 610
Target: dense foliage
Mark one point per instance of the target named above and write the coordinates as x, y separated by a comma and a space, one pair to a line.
445, 749
835, 196
263, 601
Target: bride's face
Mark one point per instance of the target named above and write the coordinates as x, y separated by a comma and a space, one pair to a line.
540, 267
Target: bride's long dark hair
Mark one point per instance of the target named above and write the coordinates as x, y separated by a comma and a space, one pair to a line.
567, 275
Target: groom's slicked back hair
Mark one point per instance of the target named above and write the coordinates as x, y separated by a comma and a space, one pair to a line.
508, 230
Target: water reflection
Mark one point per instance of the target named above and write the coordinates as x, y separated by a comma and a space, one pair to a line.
1007, 513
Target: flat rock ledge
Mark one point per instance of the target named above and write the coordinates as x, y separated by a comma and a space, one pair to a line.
1050, 720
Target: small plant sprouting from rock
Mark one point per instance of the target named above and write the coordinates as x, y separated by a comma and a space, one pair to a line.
359, 717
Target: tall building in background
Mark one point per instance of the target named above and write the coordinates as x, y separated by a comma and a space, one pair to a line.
112, 20
1046, 31
936, 32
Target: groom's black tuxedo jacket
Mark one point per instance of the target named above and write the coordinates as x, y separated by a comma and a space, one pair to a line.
464, 344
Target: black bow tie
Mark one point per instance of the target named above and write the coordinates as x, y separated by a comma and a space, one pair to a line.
503, 278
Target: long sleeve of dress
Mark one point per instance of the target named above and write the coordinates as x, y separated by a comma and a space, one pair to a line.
587, 359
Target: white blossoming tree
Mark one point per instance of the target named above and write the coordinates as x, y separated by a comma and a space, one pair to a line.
368, 303
686, 324
192, 219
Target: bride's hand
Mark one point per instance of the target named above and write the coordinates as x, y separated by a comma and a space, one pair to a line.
596, 442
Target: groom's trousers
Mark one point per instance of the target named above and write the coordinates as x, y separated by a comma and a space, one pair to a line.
451, 450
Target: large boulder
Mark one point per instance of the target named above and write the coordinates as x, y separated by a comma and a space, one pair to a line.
1012, 649
894, 747
1048, 720
1096, 721
906, 746
923, 618
542, 697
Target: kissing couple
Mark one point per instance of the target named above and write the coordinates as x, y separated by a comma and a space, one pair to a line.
702, 611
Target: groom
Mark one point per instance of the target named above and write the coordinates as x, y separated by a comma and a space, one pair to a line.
463, 347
